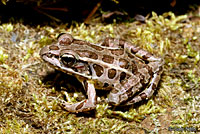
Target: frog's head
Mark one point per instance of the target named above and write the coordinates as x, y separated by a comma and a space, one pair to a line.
63, 57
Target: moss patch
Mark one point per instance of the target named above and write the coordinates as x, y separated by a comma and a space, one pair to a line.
27, 85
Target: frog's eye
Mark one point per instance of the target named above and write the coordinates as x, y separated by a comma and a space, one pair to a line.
68, 60
65, 39
60, 35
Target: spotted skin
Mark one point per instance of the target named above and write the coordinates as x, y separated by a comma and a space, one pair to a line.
131, 73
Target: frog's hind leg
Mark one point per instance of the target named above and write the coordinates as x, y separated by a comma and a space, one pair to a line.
121, 93
148, 92
155, 64
85, 105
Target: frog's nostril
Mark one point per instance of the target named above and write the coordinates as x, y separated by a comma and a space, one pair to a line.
44, 50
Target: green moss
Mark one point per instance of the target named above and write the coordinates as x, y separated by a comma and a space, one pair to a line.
28, 87
3, 56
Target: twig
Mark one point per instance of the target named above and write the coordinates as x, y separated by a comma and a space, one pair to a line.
50, 16
93, 12
55, 9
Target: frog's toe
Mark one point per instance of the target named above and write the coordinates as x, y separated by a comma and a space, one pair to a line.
114, 99
82, 106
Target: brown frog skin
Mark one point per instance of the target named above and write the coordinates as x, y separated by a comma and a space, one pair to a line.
129, 72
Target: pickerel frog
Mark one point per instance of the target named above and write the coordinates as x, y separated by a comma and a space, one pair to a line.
130, 73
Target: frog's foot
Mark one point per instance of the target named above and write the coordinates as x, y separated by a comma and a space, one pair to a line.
85, 105
82, 106
120, 94
116, 97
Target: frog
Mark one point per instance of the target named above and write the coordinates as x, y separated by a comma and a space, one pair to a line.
129, 73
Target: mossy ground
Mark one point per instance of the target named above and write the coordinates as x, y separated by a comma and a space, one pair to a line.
27, 83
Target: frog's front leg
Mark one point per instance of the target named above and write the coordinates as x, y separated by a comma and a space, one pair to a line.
85, 105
